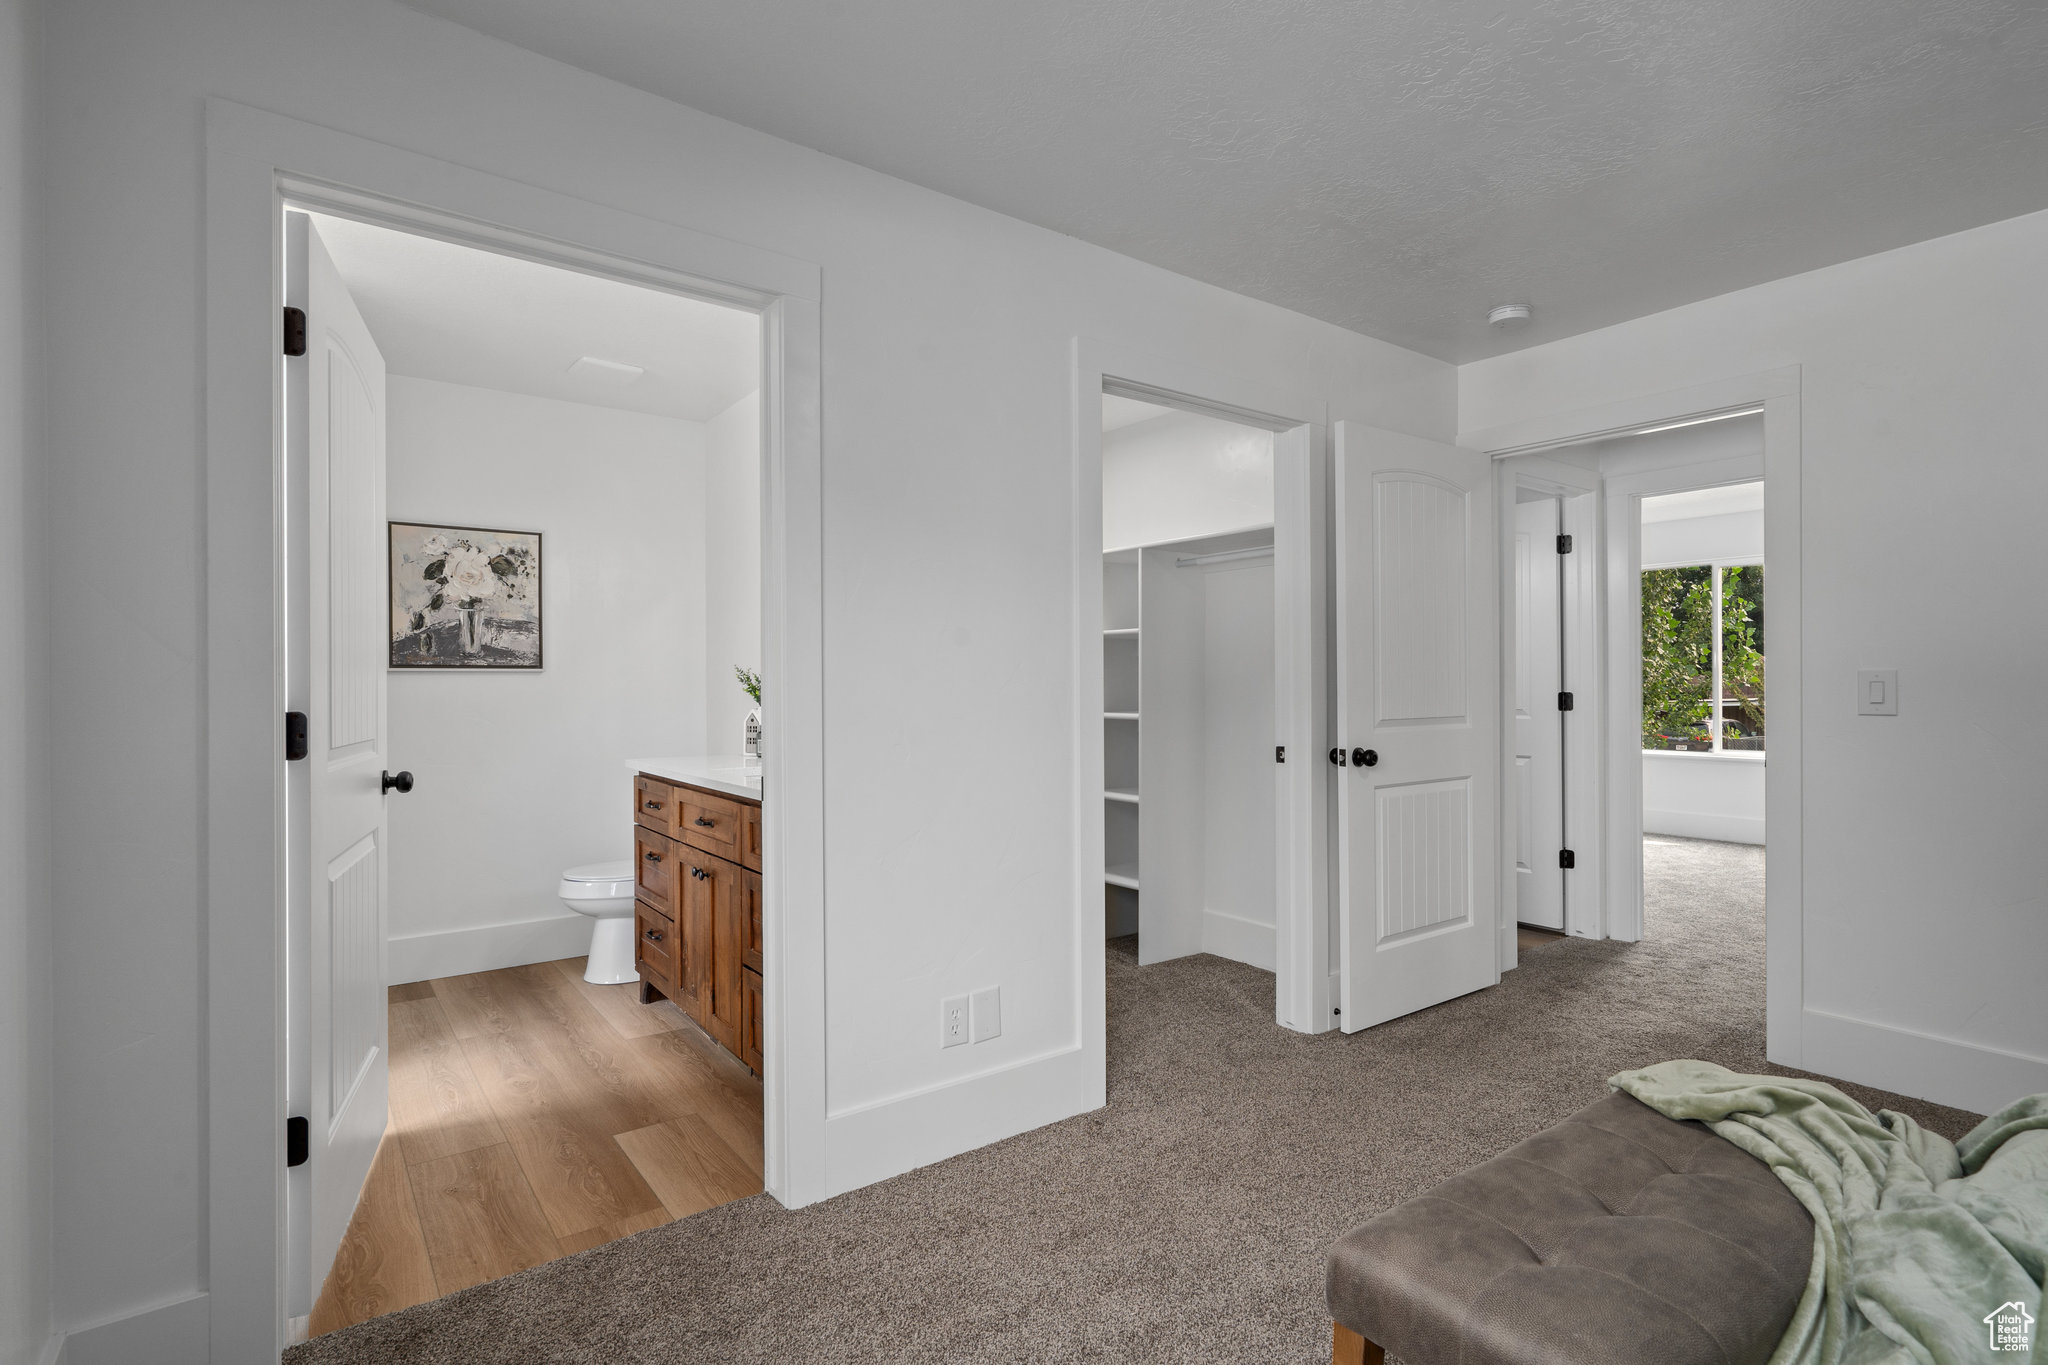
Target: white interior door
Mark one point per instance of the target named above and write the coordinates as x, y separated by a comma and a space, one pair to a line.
1418, 684
1539, 725
341, 555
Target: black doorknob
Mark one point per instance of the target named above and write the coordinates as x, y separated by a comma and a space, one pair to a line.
1337, 757
1364, 758
402, 781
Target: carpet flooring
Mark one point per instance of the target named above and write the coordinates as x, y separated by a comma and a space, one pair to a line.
1186, 1220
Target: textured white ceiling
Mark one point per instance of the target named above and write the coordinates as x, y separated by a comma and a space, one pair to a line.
1394, 167
441, 311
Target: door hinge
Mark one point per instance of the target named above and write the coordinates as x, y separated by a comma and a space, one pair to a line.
294, 331
298, 1141
1279, 753
1564, 545
1564, 701
1567, 859
294, 736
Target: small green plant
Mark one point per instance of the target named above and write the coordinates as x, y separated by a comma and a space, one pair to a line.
750, 682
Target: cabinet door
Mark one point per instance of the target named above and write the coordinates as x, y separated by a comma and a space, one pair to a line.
693, 921
750, 1019
722, 883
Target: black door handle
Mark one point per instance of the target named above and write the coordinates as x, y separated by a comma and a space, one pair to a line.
1364, 758
1337, 757
402, 782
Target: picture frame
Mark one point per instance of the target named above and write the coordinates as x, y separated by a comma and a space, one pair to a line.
463, 597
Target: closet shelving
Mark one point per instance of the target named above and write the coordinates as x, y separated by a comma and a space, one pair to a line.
1155, 822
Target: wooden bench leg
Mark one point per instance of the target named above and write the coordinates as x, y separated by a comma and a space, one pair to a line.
1349, 1348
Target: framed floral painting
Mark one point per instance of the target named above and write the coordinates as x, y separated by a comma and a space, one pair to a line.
464, 597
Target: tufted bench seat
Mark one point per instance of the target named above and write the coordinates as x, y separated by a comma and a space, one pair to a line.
1617, 1237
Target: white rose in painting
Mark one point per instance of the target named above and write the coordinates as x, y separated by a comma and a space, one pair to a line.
469, 575
436, 544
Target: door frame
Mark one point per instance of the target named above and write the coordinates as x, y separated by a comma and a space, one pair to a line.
1776, 393
1304, 963
255, 163
1578, 493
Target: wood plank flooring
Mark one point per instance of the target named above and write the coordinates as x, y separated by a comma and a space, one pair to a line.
534, 1115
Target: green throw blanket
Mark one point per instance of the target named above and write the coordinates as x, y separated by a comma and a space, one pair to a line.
1916, 1240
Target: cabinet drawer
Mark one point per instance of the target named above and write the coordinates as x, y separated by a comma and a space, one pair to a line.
654, 869
709, 822
654, 803
747, 920
750, 837
654, 947
750, 1020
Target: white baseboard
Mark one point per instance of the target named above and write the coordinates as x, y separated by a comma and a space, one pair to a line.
487, 947
875, 1141
1694, 824
1923, 1065
177, 1333
1239, 939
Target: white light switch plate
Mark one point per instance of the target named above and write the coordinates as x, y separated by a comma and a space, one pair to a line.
1877, 692
988, 1014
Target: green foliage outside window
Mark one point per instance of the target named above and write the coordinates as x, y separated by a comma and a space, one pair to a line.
1678, 658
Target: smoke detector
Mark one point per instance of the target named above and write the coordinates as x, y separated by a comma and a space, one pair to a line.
1510, 317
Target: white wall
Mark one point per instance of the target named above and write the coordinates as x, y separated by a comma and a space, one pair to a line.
732, 571
1182, 475
1705, 796
948, 343
25, 958
1925, 877
1238, 769
522, 774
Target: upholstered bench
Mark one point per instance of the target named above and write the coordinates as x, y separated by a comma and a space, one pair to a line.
1617, 1237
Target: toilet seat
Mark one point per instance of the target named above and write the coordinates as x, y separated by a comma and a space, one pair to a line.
599, 881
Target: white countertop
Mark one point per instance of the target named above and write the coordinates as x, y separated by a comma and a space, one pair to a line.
728, 773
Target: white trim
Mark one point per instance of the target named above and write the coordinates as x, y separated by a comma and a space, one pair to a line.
174, 1333
485, 947
1948, 1071
1302, 993
1241, 940
1776, 392
253, 159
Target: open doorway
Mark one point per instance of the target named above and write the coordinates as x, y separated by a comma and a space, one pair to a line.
1646, 627
1190, 814
524, 559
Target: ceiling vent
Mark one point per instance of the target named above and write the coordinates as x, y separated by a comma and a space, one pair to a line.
613, 374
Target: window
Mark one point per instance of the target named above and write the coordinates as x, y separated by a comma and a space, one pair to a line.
1703, 658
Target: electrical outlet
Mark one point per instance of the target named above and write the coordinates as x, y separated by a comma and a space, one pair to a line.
953, 1021
988, 1014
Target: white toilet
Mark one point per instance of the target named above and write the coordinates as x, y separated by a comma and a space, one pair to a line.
604, 891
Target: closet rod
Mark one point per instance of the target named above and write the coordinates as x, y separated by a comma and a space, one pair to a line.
1223, 557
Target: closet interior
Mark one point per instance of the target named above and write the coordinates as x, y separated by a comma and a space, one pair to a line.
1189, 781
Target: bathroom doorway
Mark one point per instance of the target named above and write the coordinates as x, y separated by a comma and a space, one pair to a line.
524, 556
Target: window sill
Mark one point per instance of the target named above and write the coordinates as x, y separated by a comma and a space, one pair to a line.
1697, 757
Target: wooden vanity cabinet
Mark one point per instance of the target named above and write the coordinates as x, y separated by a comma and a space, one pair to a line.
698, 911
